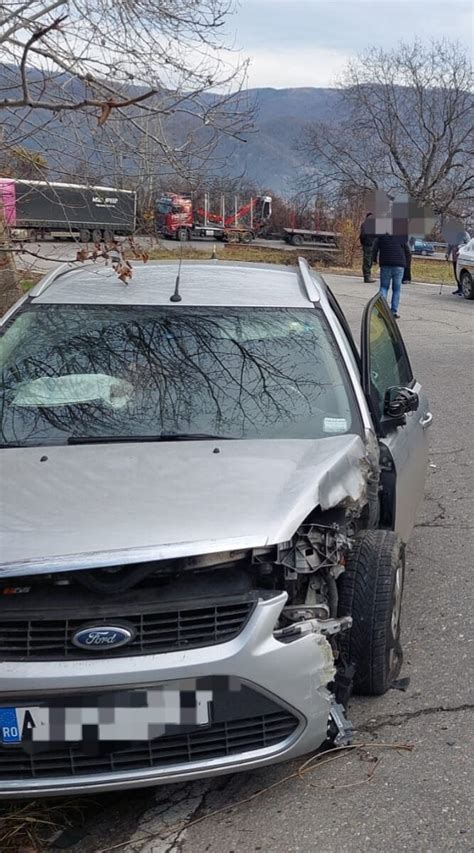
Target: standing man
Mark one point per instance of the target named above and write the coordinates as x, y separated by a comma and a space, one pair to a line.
367, 237
393, 254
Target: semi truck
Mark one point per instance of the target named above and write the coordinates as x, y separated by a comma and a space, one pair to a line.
35, 210
176, 217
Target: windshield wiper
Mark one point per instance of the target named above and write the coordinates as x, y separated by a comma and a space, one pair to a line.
164, 436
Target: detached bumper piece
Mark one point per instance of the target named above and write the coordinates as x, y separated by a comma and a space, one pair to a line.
340, 729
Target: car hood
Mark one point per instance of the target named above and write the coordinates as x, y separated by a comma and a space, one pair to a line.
73, 507
466, 253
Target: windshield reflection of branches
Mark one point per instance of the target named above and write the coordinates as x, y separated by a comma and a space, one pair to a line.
239, 372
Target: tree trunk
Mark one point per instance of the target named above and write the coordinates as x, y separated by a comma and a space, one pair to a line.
9, 284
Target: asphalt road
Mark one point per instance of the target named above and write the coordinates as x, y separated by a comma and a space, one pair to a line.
415, 801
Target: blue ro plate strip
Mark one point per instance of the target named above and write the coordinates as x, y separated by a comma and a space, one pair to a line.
9, 728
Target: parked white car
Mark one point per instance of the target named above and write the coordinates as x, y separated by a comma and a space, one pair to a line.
465, 269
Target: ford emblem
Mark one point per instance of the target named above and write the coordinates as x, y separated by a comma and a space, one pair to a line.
99, 638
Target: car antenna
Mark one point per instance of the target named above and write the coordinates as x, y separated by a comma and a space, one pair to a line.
176, 296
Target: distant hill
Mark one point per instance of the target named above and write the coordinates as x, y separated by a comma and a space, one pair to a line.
75, 146
269, 157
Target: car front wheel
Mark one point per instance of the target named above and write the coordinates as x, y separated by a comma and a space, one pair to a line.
467, 285
371, 592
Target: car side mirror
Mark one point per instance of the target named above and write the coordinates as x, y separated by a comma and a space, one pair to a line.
398, 402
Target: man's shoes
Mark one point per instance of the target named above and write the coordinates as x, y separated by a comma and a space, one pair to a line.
369, 280
397, 316
457, 292
406, 281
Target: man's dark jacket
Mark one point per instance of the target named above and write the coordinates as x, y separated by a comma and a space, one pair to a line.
367, 231
391, 250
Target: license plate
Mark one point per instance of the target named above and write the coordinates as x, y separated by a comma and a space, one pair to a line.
137, 715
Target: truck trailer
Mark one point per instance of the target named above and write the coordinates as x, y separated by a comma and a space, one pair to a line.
327, 240
35, 210
176, 217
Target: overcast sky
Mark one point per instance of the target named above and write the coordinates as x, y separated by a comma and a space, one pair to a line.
307, 42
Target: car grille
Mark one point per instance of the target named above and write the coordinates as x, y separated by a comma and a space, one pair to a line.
162, 630
218, 741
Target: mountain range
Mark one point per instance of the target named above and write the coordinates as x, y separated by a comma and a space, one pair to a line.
269, 158
75, 147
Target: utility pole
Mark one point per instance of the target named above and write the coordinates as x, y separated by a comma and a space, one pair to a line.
9, 289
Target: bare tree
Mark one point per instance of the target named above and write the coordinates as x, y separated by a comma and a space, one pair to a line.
138, 67
407, 127
109, 79
108, 55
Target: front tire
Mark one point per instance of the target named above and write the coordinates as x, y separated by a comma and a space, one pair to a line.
297, 240
371, 591
466, 284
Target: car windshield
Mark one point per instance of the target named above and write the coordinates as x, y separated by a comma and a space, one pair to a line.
75, 372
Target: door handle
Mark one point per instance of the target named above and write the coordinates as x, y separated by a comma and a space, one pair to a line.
426, 420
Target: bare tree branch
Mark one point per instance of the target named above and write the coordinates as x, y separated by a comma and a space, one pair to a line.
116, 91
407, 126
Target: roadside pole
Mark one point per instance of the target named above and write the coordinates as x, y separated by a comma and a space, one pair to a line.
9, 287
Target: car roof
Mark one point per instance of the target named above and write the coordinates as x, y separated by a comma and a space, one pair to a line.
201, 283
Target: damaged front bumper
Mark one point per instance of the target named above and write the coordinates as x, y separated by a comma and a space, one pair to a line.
286, 676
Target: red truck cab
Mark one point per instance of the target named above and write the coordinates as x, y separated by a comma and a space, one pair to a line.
173, 215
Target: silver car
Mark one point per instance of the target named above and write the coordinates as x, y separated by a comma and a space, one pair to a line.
206, 496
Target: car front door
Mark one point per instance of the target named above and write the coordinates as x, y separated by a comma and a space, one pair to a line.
385, 365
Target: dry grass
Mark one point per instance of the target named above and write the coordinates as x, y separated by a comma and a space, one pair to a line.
422, 270
26, 827
435, 271
239, 252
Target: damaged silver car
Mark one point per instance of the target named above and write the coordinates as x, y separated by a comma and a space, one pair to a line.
206, 496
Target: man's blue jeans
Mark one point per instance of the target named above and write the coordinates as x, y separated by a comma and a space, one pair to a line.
393, 276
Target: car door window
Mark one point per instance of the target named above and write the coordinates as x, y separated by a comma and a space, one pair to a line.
385, 362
